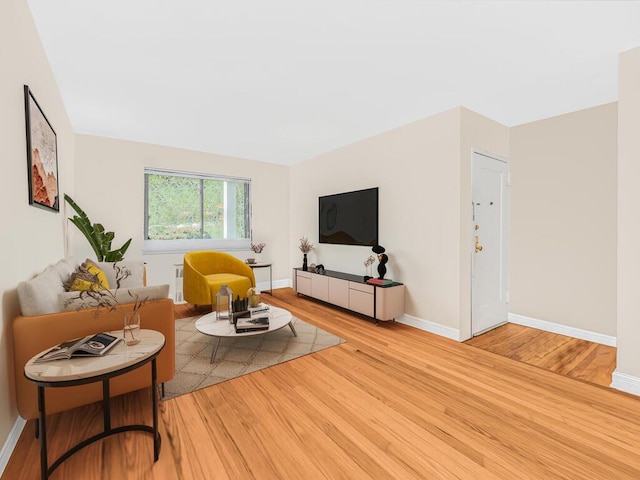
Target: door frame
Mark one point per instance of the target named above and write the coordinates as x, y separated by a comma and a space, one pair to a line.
471, 232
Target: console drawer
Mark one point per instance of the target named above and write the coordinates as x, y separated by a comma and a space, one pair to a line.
362, 287
303, 283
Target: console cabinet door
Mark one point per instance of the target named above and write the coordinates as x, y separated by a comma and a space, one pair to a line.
339, 292
361, 298
390, 302
303, 283
320, 287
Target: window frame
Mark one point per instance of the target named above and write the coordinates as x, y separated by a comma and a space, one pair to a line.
185, 245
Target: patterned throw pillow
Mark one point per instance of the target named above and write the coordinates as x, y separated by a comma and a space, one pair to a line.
88, 276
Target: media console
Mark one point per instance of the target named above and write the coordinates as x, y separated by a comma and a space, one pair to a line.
351, 292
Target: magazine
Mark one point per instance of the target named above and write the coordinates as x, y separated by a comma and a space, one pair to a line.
252, 324
89, 346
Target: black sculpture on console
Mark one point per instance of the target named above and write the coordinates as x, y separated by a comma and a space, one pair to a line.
382, 258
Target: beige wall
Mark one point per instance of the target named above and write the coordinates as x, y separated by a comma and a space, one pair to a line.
31, 237
423, 172
563, 219
110, 189
628, 216
416, 168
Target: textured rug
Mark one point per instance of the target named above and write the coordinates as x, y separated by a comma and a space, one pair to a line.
238, 356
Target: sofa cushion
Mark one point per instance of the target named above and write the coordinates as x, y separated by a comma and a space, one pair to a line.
67, 301
66, 267
136, 267
88, 276
39, 295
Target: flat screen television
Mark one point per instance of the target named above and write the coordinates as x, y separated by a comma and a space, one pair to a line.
349, 218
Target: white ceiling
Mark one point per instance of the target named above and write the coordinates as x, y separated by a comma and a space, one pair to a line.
285, 80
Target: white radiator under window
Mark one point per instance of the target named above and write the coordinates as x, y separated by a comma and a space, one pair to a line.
177, 296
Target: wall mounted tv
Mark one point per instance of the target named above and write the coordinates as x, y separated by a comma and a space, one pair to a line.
349, 218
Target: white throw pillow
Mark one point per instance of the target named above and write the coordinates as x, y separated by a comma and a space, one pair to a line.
136, 267
39, 295
65, 268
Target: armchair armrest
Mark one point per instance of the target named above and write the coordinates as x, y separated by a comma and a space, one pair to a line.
195, 286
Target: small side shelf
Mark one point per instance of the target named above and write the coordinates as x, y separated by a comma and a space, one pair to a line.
352, 292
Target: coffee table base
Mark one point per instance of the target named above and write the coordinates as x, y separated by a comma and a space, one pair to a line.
216, 342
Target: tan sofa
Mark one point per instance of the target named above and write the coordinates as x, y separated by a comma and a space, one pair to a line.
34, 333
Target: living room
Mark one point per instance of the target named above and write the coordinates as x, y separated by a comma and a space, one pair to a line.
573, 221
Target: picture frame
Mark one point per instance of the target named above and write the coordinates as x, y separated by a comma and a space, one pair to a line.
42, 156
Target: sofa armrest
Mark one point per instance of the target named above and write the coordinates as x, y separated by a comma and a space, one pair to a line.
33, 334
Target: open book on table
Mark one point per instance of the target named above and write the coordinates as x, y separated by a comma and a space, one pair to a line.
89, 346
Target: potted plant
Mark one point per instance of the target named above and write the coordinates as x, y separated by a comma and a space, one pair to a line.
95, 234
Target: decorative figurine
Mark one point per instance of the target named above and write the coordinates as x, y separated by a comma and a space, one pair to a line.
382, 258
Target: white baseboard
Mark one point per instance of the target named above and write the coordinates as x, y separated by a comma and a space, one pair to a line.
10, 443
276, 284
562, 329
431, 327
626, 383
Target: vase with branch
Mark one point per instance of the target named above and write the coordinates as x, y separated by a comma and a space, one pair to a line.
95, 296
256, 248
305, 247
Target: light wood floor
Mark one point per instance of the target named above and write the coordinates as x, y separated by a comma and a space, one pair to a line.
569, 356
392, 402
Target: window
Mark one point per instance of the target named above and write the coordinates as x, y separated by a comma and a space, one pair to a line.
191, 211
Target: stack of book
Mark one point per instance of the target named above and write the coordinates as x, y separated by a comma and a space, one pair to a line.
258, 319
381, 282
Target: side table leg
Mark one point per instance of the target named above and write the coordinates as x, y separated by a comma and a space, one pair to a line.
154, 399
106, 405
44, 469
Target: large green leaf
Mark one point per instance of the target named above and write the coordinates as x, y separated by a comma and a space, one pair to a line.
95, 234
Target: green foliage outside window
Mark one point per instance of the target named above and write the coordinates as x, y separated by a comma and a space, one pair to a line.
187, 207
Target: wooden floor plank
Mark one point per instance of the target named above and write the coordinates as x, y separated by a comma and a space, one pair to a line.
393, 402
573, 357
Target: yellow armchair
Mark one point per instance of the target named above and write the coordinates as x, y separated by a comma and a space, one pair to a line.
206, 271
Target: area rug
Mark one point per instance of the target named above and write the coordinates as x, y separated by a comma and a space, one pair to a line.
238, 356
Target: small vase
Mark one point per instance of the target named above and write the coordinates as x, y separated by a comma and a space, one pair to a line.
131, 328
304, 262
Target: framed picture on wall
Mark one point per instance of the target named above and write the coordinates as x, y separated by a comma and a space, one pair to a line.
42, 156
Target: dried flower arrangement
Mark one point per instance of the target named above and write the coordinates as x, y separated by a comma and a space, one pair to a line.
100, 298
369, 261
257, 247
305, 246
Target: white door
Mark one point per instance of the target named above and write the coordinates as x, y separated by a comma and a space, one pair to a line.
490, 242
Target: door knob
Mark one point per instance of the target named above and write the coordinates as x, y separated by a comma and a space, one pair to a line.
478, 246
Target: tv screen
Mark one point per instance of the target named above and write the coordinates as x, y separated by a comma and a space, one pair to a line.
349, 218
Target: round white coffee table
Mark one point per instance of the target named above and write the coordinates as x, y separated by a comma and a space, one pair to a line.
207, 324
